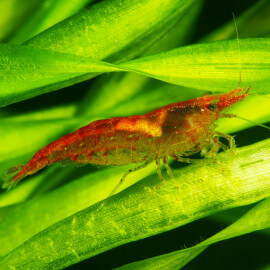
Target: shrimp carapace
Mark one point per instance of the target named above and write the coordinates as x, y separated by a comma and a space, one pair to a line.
176, 130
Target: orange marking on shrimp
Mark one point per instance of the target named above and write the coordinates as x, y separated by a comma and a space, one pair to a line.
176, 130
137, 124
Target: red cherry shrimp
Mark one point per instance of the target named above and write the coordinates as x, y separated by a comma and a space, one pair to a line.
177, 130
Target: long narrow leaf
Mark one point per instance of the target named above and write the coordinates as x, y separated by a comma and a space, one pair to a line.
27, 72
136, 213
213, 66
111, 29
48, 13
256, 219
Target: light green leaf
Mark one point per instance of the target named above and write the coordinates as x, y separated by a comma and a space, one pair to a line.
13, 14
256, 219
108, 30
114, 30
47, 14
27, 72
125, 86
138, 212
21, 193
213, 66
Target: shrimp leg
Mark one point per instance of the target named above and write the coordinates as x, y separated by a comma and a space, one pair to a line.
123, 179
210, 152
126, 174
230, 139
159, 169
168, 168
160, 177
185, 160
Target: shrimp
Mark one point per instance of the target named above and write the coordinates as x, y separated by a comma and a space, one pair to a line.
177, 130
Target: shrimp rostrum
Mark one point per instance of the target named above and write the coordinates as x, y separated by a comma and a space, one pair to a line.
177, 130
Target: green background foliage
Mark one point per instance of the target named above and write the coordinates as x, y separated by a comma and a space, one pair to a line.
100, 59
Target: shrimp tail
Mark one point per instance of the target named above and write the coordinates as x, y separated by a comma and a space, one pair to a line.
12, 181
35, 164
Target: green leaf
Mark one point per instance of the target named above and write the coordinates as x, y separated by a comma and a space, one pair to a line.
27, 72
256, 219
113, 29
138, 212
213, 66
118, 83
127, 30
127, 85
47, 14
11, 18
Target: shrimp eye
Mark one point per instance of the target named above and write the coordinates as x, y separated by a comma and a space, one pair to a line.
212, 106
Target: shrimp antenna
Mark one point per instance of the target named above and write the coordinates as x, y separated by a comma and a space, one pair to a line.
239, 52
248, 120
